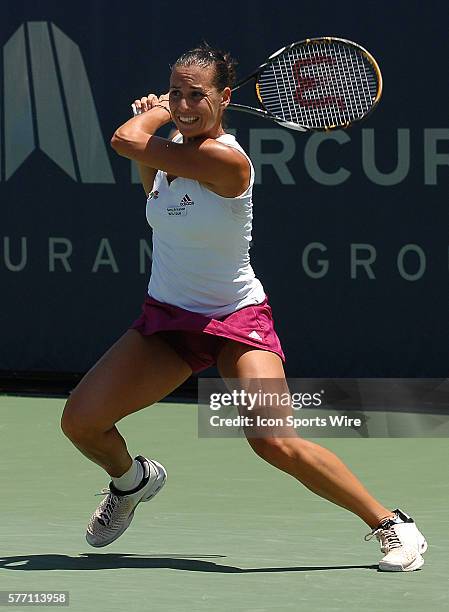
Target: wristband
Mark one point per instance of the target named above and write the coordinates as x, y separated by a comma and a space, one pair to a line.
162, 106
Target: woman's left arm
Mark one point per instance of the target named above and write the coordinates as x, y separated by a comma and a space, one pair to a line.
222, 168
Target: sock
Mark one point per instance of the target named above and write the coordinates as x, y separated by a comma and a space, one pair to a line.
402, 517
399, 517
130, 479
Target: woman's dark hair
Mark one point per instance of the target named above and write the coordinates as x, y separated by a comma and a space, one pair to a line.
204, 55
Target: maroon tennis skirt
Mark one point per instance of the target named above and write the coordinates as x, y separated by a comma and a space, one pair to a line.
198, 338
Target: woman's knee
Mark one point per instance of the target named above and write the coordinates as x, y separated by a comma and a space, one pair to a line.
78, 422
277, 451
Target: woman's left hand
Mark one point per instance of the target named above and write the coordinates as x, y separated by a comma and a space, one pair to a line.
148, 102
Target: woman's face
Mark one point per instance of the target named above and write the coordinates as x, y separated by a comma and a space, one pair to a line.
195, 104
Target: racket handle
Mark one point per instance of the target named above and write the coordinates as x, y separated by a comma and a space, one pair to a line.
135, 111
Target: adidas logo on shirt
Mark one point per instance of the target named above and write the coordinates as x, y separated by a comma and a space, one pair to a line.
181, 210
186, 201
254, 335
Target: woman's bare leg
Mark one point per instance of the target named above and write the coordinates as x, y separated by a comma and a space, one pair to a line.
316, 467
135, 372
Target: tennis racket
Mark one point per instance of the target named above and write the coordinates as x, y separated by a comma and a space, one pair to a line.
316, 84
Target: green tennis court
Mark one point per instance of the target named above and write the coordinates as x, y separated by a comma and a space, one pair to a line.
229, 532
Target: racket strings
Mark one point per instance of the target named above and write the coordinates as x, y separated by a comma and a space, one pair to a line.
319, 85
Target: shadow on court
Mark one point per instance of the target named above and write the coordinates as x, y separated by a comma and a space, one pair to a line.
190, 563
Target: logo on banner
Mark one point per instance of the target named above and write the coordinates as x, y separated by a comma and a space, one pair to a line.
48, 105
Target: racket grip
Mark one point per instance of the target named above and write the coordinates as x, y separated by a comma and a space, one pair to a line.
135, 111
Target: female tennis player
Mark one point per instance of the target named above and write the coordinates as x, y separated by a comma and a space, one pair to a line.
205, 306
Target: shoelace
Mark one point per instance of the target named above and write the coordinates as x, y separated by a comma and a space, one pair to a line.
390, 538
111, 502
387, 535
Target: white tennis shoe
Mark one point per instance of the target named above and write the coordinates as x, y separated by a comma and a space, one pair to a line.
115, 513
402, 542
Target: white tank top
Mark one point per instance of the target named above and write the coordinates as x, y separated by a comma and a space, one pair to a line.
201, 244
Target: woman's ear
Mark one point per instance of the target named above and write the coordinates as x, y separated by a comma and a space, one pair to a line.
225, 97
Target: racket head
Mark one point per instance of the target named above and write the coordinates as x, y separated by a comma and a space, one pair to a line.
320, 83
